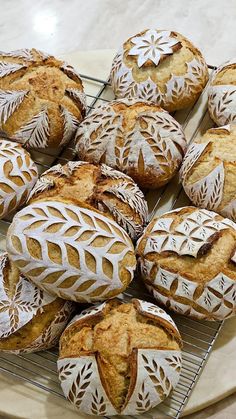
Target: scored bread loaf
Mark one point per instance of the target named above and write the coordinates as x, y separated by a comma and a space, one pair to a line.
18, 174
30, 319
134, 136
208, 172
41, 98
72, 251
118, 358
187, 259
161, 66
222, 94
102, 187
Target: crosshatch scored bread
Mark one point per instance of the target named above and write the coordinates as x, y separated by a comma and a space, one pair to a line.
134, 136
118, 358
30, 319
41, 98
102, 187
161, 66
72, 251
187, 260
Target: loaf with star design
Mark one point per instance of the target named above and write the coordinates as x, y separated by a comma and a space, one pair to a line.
187, 259
159, 65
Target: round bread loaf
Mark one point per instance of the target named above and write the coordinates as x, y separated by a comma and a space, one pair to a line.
71, 251
106, 189
119, 358
18, 175
187, 260
30, 319
208, 172
222, 94
41, 98
159, 65
133, 136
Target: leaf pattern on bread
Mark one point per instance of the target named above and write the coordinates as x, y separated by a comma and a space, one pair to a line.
78, 251
152, 372
10, 100
154, 144
222, 104
18, 175
35, 133
125, 83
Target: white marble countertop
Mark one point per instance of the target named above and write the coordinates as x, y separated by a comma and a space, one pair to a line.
60, 26
64, 26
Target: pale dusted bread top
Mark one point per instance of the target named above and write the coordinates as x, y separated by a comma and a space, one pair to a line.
26, 312
209, 171
207, 237
134, 136
130, 327
159, 65
102, 187
72, 251
18, 174
41, 98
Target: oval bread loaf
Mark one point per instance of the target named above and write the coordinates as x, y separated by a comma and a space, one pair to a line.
71, 251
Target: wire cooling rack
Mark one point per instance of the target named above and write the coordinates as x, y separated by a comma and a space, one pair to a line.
39, 369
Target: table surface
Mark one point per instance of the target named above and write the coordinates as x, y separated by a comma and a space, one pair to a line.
62, 27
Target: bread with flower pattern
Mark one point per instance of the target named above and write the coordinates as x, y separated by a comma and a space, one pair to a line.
161, 66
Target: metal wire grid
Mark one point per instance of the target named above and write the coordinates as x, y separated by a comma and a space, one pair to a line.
39, 369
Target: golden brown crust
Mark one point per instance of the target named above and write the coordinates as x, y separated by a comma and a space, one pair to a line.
186, 267
127, 329
220, 149
173, 63
45, 82
100, 187
131, 136
25, 336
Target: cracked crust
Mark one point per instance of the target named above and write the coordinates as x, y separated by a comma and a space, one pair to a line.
128, 328
101, 187
45, 80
